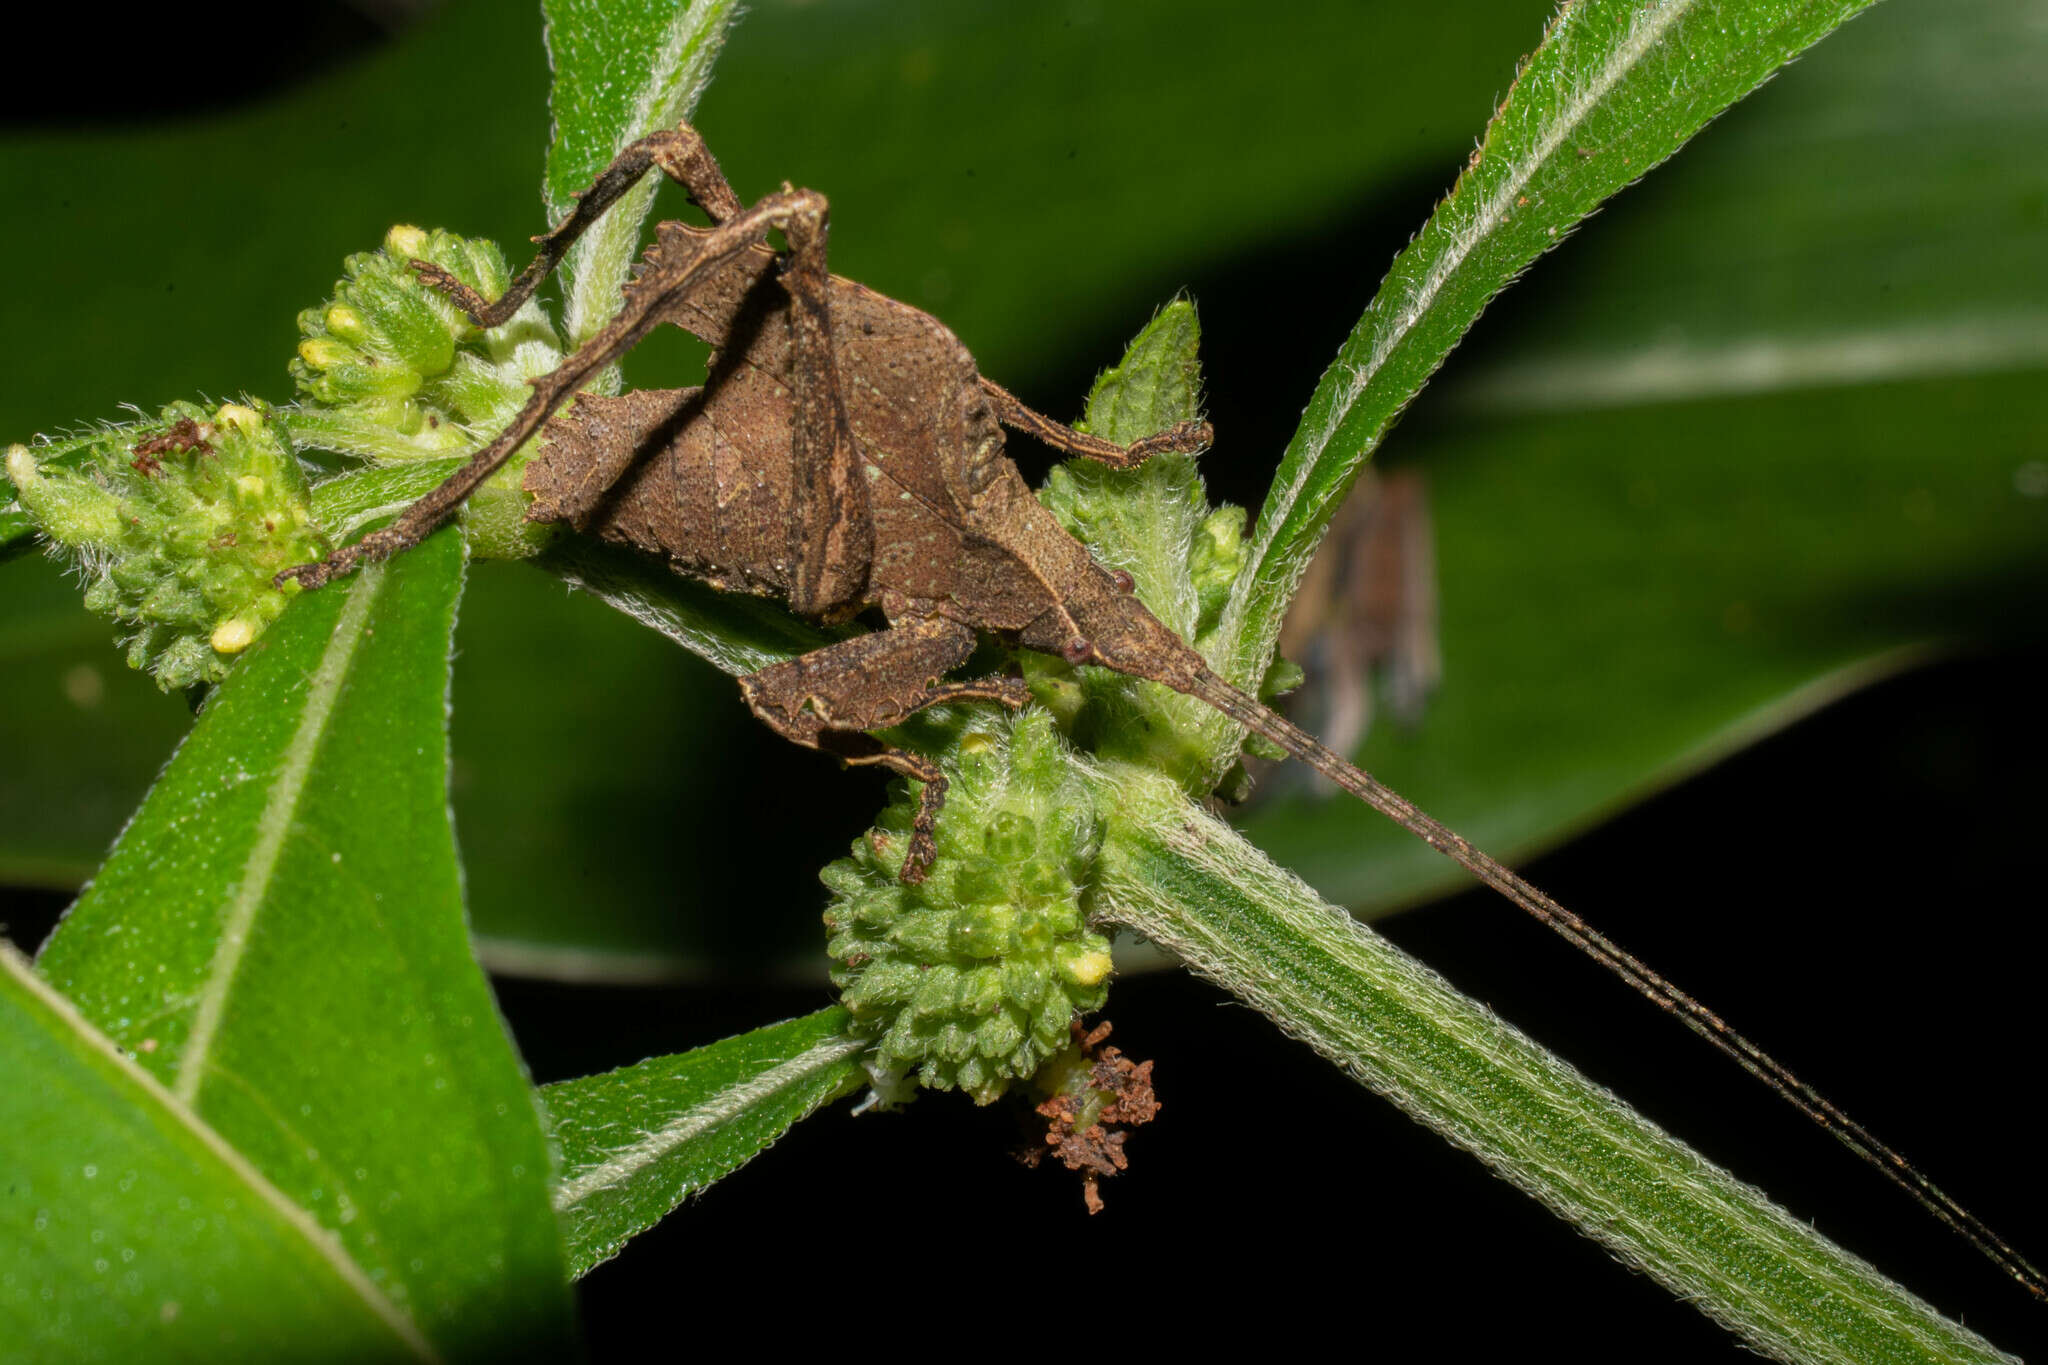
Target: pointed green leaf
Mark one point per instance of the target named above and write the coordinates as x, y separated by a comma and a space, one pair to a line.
345, 505
1143, 519
129, 1230
1154, 522
278, 939
1765, 431
638, 1141
623, 69
17, 527
1615, 88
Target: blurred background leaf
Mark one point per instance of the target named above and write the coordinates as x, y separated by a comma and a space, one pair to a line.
1629, 586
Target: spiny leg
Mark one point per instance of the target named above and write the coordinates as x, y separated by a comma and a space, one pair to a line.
826, 699
679, 152
1011, 412
800, 214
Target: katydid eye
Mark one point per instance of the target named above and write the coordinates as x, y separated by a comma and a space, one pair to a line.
1076, 650
1124, 582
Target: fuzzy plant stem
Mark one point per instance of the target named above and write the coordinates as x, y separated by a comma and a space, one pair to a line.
1191, 884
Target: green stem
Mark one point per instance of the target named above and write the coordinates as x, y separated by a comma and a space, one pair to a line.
1194, 886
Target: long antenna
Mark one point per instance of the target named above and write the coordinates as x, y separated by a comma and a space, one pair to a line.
1596, 945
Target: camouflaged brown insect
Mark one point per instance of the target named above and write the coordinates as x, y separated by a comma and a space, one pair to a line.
843, 453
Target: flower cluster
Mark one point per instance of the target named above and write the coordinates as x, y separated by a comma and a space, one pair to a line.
395, 371
178, 526
972, 978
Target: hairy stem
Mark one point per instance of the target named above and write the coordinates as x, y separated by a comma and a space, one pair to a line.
1194, 886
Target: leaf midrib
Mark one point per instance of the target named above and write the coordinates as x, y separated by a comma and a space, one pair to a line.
671, 84
723, 1107
280, 812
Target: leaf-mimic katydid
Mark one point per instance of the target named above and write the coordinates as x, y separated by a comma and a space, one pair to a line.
845, 453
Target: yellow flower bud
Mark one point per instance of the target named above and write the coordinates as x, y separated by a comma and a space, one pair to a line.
405, 241
243, 419
346, 323
324, 353
1089, 967
232, 636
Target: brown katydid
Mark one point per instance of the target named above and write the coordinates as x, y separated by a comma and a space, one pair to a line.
845, 453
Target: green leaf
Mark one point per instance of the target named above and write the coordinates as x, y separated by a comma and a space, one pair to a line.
1614, 89
1143, 519
623, 69
1156, 523
638, 1141
346, 504
278, 939
1679, 506
130, 1230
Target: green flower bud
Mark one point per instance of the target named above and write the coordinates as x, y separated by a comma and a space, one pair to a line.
330, 371
1216, 552
971, 978
1282, 677
70, 510
1185, 557
179, 526
398, 371
342, 321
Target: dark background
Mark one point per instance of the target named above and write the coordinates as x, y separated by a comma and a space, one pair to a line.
1274, 1194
